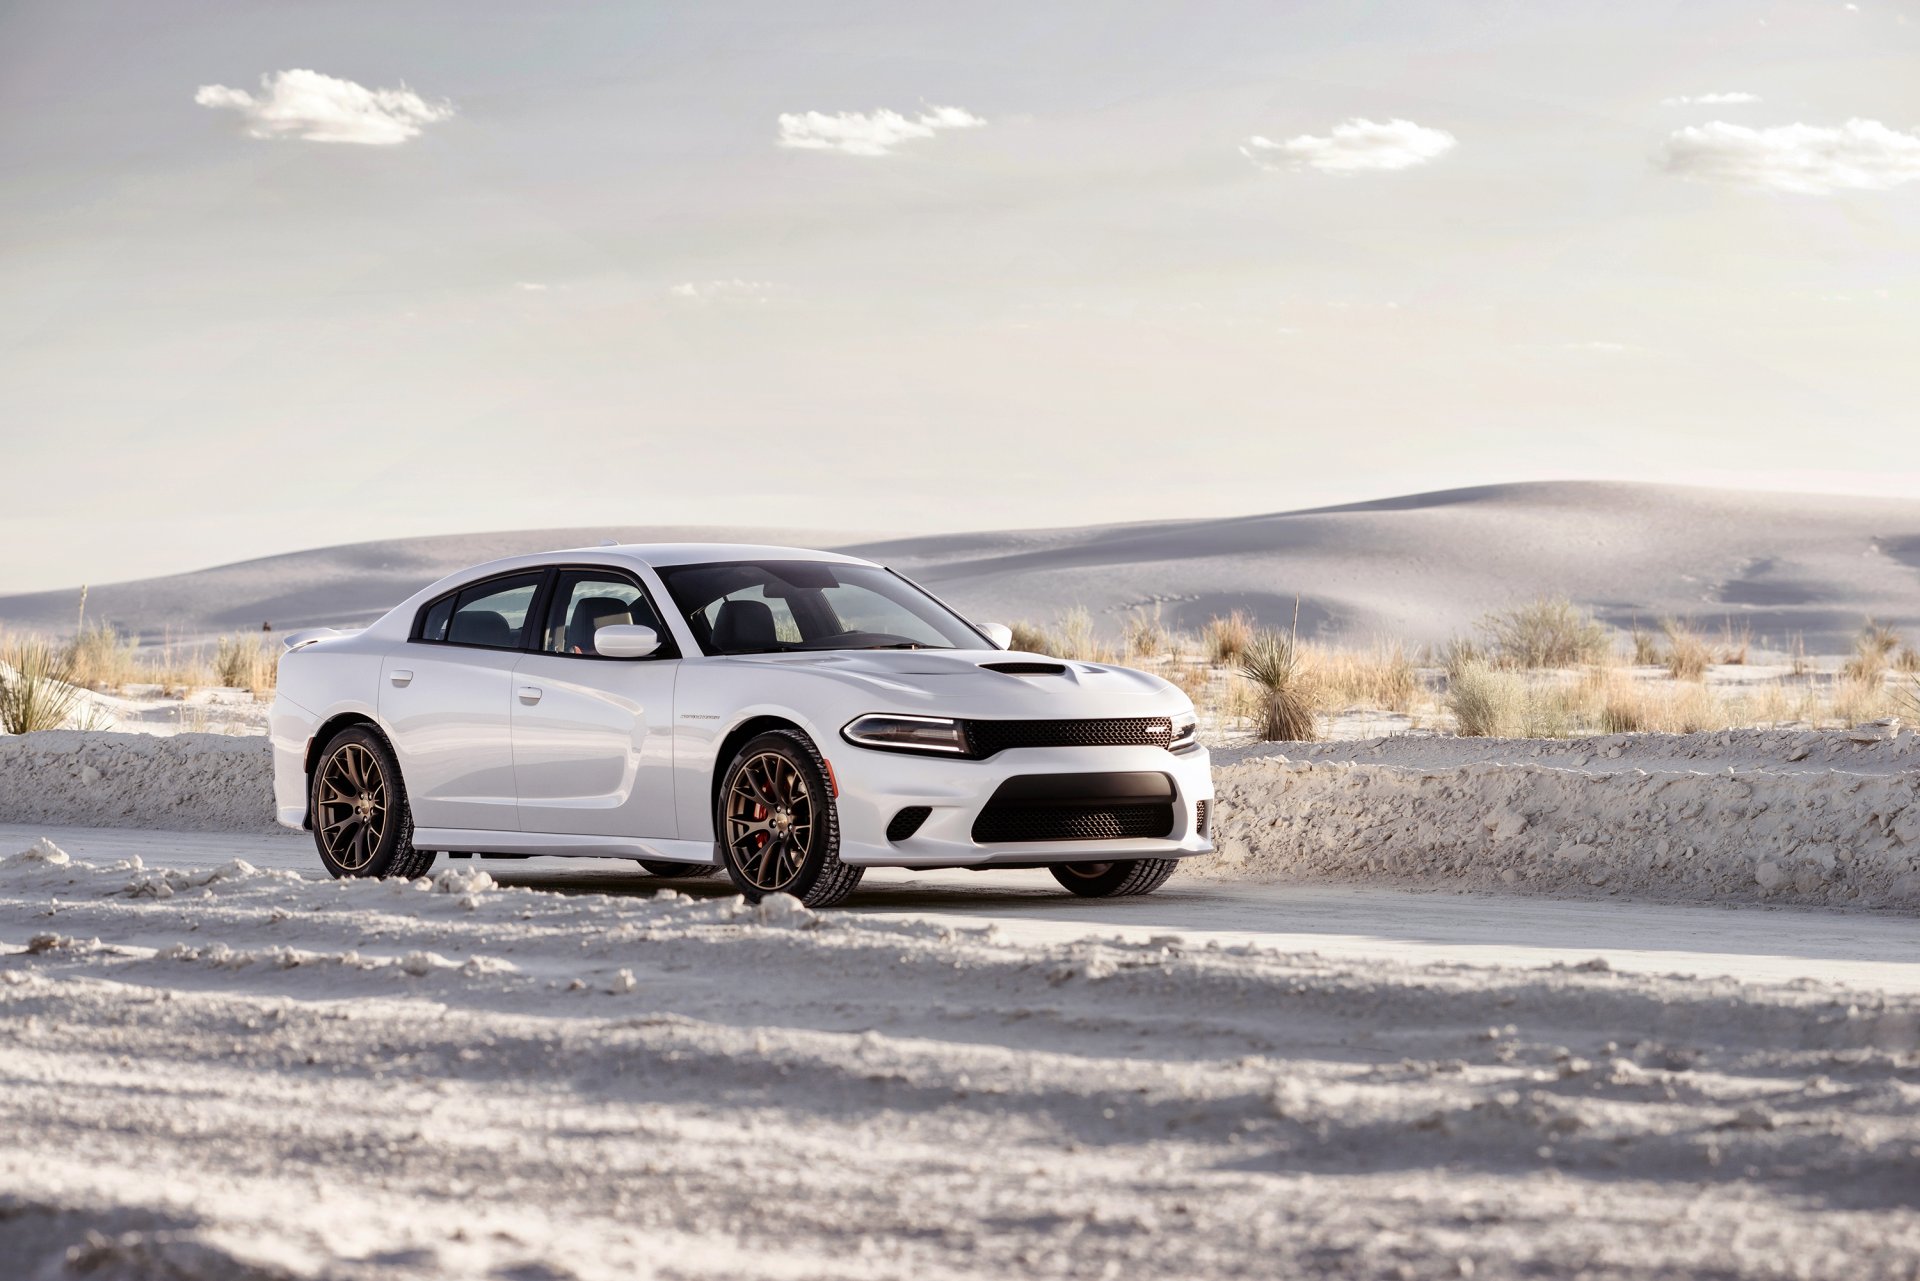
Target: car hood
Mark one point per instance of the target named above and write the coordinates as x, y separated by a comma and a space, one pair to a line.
991, 683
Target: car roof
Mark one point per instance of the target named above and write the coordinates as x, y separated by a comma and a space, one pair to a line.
668, 554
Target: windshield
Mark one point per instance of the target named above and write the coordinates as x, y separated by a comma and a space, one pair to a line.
775, 606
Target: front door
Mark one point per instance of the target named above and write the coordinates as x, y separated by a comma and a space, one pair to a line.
593, 736
447, 697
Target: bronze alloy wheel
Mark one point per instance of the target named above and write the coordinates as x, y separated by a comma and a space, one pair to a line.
770, 821
351, 807
357, 803
776, 824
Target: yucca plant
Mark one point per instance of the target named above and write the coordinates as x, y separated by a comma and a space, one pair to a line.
1271, 663
36, 686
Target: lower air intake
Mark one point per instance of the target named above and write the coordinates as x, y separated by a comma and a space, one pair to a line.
907, 822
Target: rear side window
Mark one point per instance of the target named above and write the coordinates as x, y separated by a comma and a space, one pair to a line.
490, 615
433, 624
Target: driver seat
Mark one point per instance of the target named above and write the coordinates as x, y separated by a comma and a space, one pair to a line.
744, 625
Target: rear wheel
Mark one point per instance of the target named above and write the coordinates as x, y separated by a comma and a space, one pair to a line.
660, 867
1112, 880
361, 822
779, 829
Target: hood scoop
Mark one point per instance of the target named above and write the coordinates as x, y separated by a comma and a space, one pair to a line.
1027, 667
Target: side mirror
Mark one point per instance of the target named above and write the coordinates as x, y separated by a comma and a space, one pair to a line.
999, 633
625, 640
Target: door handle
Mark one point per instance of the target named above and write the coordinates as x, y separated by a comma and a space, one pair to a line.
400, 677
529, 693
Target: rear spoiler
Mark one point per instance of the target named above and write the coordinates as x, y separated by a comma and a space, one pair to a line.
297, 640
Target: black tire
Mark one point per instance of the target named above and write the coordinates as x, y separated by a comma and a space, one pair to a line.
1112, 880
370, 838
685, 871
771, 858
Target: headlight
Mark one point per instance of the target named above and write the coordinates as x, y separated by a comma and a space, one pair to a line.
1185, 728
940, 734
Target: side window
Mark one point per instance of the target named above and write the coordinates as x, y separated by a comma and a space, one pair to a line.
492, 614
585, 601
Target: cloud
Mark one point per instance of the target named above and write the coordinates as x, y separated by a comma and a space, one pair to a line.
1354, 146
1710, 100
859, 134
1814, 160
723, 290
306, 104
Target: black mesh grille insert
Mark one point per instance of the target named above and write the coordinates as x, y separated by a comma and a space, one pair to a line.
907, 822
1201, 812
1000, 823
991, 737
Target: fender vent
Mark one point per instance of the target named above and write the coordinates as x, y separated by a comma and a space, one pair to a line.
1016, 667
907, 822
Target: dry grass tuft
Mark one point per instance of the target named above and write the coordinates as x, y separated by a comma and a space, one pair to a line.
1857, 699
1272, 664
1145, 636
1379, 677
100, 658
1687, 654
1226, 639
1549, 632
246, 661
1735, 644
1030, 639
1907, 660
1646, 647
1873, 649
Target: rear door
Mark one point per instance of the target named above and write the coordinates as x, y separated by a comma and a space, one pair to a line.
447, 698
593, 736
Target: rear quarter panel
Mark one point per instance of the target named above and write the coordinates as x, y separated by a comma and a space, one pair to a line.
316, 683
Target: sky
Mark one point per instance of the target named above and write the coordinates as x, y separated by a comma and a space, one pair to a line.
281, 275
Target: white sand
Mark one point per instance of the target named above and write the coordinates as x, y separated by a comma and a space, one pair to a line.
238, 1073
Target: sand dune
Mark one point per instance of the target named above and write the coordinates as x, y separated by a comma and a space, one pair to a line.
1419, 567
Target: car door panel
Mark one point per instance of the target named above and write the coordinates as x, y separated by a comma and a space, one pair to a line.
593, 749
448, 711
593, 740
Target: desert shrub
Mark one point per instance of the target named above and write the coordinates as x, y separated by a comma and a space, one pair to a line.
37, 690
1382, 677
1549, 632
1907, 660
1486, 702
1075, 638
1458, 654
1145, 637
1873, 649
1226, 639
1687, 654
1032, 640
1271, 663
99, 657
245, 662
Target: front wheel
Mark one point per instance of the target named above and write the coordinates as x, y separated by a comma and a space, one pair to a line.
361, 822
1111, 880
778, 827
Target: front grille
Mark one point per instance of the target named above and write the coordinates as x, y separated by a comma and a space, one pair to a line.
988, 738
1000, 824
1200, 815
907, 822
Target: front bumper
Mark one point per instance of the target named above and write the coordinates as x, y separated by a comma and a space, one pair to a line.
877, 785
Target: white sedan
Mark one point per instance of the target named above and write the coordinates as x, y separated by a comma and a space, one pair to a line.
794, 717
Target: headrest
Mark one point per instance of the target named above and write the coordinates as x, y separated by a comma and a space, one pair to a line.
744, 625
482, 627
589, 616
